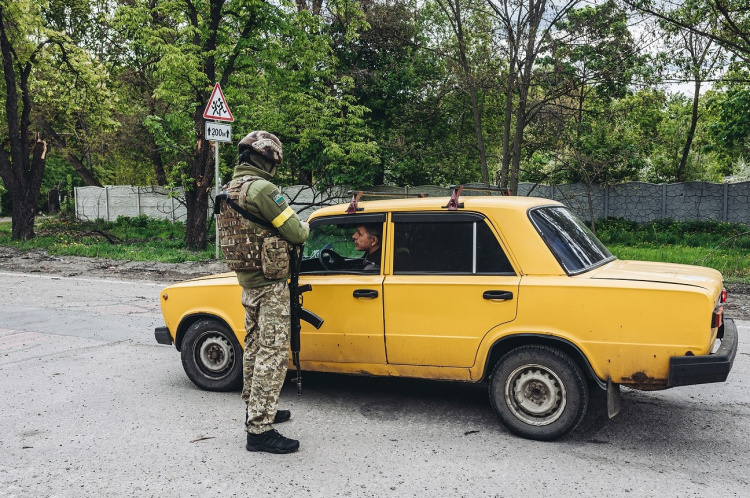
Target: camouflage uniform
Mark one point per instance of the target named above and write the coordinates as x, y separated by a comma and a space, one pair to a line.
266, 303
266, 352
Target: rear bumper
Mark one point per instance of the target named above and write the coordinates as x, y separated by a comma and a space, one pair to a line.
689, 370
162, 335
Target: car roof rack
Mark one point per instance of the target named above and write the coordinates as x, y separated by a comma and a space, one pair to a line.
357, 194
454, 204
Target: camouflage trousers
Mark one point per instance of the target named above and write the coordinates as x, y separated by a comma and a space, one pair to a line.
266, 354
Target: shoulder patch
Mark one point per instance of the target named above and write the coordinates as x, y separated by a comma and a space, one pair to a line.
277, 197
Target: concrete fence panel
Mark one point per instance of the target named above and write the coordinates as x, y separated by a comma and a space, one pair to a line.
737, 207
636, 201
694, 201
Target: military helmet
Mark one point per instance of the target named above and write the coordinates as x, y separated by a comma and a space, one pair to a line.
264, 144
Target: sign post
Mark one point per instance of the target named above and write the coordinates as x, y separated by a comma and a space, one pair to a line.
218, 110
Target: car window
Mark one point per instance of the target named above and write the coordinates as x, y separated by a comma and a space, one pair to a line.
330, 247
575, 247
446, 244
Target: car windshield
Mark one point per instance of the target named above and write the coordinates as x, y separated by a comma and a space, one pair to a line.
573, 244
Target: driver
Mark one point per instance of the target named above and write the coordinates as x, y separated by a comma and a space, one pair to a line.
367, 238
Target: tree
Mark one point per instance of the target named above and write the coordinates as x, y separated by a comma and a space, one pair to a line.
527, 32
38, 62
79, 121
728, 128
389, 68
732, 28
275, 68
455, 12
313, 100
697, 57
194, 45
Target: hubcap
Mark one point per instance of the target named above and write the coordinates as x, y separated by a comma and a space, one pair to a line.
215, 354
535, 394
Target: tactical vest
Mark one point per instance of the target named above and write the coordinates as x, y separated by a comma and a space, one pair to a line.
241, 239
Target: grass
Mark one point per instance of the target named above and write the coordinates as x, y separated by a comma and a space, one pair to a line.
723, 246
136, 239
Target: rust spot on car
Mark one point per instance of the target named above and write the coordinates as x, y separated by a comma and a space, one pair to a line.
640, 380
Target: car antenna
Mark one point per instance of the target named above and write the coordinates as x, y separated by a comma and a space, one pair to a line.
357, 194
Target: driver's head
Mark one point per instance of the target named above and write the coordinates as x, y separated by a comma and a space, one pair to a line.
367, 237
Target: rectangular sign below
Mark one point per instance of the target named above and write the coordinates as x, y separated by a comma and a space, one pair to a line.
218, 132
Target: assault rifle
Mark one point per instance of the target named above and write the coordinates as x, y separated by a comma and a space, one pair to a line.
297, 312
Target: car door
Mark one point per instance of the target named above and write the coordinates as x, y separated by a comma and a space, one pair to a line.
348, 298
452, 282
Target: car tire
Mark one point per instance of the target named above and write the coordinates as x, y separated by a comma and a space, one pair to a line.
211, 356
538, 392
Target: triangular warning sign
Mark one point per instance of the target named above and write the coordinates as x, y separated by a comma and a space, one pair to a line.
217, 107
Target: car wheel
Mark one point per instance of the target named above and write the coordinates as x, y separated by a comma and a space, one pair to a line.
538, 392
211, 356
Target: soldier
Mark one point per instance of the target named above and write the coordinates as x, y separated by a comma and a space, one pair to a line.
255, 245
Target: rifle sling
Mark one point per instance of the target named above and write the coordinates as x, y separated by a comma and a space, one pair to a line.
244, 212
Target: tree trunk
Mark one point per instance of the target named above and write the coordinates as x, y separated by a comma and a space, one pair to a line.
480, 135
161, 176
22, 218
196, 198
519, 129
507, 126
24, 200
510, 89
453, 11
681, 169
22, 178
515, 166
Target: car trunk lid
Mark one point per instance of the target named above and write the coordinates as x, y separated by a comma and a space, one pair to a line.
669, 273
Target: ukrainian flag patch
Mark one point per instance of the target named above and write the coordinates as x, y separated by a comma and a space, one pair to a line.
277, 197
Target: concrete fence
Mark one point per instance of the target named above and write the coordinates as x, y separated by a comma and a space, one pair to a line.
637, 201
108, 203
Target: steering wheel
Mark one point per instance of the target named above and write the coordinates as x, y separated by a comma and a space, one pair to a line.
330, 259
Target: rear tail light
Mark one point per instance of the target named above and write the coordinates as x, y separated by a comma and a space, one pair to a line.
723, 296
718, 317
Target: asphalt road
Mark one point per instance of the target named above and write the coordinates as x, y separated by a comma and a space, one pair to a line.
92, 406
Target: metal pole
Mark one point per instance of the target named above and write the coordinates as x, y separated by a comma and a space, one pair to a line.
216, 174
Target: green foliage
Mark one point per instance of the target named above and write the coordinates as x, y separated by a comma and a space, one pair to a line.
138, 239
722, 246
729, 130
665, 232
364, 93
58, 175
598, 49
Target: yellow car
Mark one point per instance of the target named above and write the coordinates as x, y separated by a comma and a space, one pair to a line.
514, 291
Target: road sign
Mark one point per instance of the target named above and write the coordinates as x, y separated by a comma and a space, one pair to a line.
217, 107
218, 132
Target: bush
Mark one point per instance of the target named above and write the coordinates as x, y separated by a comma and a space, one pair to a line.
669, 232
140, 238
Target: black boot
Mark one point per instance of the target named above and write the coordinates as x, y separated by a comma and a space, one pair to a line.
272, 442
282, 416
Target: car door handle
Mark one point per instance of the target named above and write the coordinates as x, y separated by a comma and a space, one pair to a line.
498, 295
365, 293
